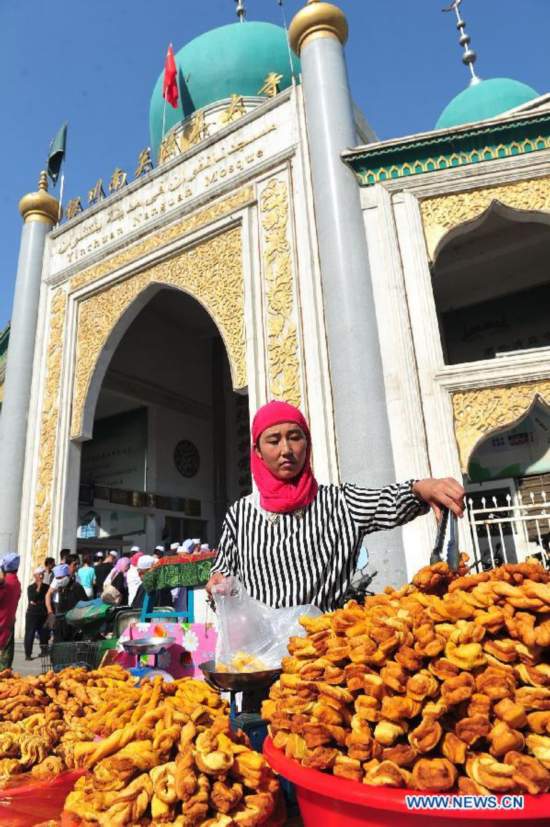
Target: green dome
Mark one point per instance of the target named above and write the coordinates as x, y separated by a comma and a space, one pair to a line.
484, 100
230, 60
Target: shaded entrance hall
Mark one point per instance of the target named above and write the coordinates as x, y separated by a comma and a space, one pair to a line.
170, 441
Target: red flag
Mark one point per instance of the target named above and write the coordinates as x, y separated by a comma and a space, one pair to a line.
170, 83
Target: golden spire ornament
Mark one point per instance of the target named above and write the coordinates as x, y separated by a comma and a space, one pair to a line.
40, 206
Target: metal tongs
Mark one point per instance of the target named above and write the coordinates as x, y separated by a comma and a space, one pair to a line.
453, 556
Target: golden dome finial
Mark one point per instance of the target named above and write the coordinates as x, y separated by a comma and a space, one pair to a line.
40, 206
317, 19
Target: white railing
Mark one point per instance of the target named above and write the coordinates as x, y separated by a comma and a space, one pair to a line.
508, 529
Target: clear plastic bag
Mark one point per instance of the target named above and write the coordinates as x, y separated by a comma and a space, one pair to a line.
251, 636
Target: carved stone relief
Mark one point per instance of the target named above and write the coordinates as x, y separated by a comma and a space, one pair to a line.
48, 430
478, 412
441, 213
282, 337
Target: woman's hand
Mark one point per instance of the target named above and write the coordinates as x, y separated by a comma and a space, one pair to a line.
444, 493
216, 579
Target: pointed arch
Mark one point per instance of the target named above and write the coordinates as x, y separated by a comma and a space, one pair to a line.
480, 411
495, 209
442, 213
508, 452
210, 272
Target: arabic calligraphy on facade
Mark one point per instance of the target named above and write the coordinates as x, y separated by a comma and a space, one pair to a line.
152, 201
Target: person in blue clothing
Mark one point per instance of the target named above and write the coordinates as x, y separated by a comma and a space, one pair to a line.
86, 576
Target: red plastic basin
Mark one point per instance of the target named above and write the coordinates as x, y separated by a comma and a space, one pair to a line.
328, 801
32, 802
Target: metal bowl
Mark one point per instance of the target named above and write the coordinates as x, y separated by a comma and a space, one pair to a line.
148, 645
238, 681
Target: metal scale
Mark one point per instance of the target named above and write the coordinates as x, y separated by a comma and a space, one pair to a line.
149, 646
254, 687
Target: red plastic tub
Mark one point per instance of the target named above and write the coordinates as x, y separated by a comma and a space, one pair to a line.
33, 802
328, 801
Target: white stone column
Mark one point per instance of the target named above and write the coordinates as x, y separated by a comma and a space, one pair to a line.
436, 399
40, 212
404, 400
317, 34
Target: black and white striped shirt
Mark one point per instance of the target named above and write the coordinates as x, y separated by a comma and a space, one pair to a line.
309, 555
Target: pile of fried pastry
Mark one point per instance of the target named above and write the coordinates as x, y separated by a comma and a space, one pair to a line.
157, 754
441, 685
42, 716
173, 762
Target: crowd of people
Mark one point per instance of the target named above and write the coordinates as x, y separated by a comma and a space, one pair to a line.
57, 588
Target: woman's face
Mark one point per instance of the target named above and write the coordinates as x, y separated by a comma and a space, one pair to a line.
283, 448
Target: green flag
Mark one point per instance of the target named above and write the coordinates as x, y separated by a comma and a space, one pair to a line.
57, 153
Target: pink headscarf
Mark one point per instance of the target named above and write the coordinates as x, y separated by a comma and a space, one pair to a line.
135, 557
277, 495
121, 566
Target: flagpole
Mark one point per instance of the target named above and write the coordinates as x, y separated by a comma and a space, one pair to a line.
280, 4
61, 186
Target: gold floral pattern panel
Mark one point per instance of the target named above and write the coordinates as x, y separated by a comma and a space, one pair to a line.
441, 213
480, 411
282, 335
210, 271
48, 430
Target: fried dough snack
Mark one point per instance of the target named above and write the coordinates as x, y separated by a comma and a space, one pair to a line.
443, 684
42, 717
179, 763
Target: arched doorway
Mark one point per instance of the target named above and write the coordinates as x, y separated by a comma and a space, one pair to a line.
492, 285
170, 437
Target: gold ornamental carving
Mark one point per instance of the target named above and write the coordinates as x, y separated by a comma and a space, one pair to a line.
48, 431
211, 272
441, 213
480, 411
282, 336
225, 206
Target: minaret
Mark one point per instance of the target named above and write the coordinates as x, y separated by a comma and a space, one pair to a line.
317, 34
40, 212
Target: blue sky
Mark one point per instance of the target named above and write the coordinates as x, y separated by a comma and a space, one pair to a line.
94, 64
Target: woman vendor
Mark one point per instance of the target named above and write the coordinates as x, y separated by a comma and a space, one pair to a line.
294, 541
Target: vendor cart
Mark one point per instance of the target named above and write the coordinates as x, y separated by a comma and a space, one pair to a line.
187, 572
